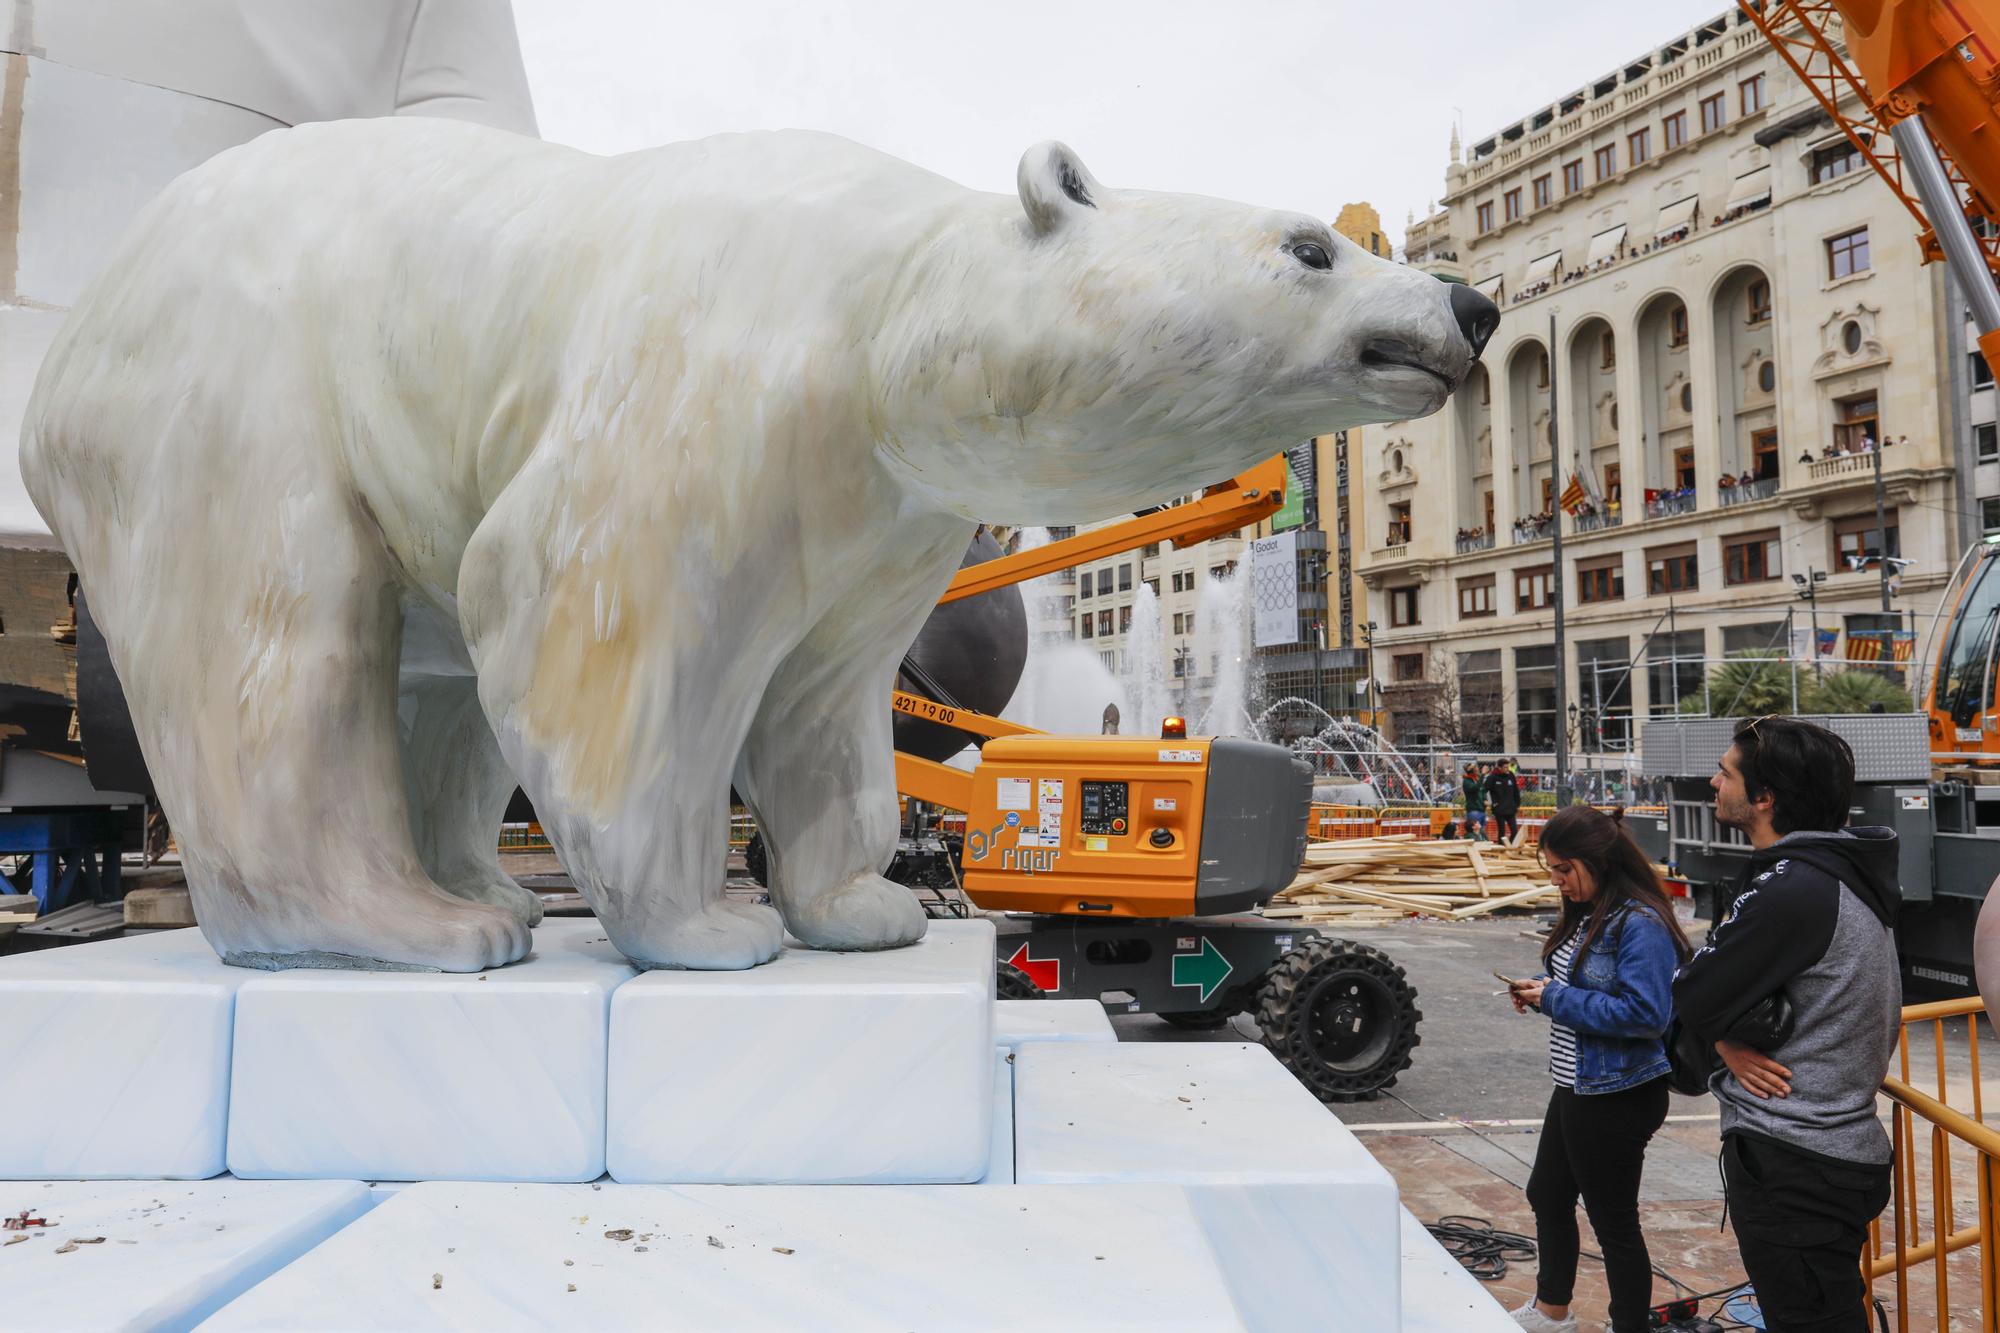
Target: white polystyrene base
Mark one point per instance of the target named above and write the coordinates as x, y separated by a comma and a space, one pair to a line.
1000, 1153
114, 1059
1439, 1296
1016, 1021
1297, 1209
816, 1068
494, 1075
780, 1258
171, 1253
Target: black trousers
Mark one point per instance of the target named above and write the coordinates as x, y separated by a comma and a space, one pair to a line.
1800, 1223
1505, 824
1595, 1147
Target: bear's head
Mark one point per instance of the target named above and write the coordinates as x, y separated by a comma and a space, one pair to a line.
1085, 351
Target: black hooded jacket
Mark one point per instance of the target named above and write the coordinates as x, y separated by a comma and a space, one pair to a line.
1815, 918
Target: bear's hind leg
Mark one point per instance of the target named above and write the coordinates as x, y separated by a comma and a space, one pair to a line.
458, 786
267, 706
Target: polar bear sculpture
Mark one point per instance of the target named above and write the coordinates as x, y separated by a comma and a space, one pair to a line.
403, 460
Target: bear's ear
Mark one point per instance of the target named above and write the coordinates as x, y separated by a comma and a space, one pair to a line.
1055, 186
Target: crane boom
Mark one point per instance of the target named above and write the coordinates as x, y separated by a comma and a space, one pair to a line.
1926, 75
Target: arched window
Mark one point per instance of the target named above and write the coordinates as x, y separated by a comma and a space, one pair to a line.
1850, 337
1767, 377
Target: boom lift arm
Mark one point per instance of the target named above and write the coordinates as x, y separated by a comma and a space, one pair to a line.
1236, 503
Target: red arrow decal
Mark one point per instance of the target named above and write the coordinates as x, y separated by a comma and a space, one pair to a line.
1044, 972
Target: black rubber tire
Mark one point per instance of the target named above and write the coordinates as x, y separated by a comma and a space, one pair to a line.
1341, 1016
756, 863
1011, 983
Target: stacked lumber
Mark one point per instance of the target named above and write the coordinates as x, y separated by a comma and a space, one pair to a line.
1366, 880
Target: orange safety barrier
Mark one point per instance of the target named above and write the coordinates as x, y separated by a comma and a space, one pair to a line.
523, 838
1912, 1242
1330, 823
1413, 820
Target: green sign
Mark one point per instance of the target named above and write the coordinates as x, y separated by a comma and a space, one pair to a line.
1205, 969
1292, 513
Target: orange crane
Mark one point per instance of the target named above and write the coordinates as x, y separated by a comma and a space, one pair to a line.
1925, 75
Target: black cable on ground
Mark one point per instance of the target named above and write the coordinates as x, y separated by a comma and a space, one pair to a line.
1483, 1251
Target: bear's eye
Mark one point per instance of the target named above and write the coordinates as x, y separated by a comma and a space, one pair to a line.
1311, 255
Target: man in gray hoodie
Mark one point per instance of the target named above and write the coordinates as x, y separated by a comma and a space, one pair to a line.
1805, 1160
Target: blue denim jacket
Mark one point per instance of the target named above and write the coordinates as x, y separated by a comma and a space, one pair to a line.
1618, 1002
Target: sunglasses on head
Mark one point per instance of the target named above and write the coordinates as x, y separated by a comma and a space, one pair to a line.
1768, 717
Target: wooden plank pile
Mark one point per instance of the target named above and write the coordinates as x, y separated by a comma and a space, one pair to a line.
1367, 880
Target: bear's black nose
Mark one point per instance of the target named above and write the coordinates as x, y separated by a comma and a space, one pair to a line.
1477, 317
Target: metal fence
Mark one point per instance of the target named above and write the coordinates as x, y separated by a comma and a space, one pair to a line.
1938, 1147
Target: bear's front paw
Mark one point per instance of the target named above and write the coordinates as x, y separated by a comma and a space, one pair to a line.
723, 936
865, 912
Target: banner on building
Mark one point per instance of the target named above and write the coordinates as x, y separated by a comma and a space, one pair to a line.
1827, 639
1881, 645
1274, 589
1301, 478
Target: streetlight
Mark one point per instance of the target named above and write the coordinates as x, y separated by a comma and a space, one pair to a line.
1368, 647
1808, 585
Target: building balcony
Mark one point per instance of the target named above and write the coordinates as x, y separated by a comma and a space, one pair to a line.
1811, 485
1845, 465
1468, 543
1596, 520
1749, 493
1390, 554
1666, 504
1525, 532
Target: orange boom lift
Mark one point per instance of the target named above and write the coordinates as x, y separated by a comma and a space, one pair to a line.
1126, 868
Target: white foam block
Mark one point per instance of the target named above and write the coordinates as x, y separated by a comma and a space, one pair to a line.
781, 1258
1439, 1296
1000, 1152
117, 1055
170, 1253
1016, 1021
429, 1075
1304, 1221
816, 1068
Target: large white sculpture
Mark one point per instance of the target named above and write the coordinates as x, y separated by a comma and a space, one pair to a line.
401, 460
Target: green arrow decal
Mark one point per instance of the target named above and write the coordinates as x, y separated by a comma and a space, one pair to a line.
1205, 969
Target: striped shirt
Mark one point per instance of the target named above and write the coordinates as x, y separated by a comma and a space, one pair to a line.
1562, 1041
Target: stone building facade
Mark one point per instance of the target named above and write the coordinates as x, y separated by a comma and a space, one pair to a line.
1710, 307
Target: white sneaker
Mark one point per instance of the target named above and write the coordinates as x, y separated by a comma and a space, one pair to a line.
1535, 1321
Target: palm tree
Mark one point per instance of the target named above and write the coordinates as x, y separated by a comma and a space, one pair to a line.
1856, 692
1747, 686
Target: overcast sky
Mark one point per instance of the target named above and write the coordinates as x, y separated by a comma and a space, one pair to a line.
1287, 103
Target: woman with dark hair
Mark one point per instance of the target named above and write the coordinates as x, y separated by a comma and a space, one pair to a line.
1607, 991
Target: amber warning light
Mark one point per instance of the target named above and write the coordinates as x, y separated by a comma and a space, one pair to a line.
1173, 728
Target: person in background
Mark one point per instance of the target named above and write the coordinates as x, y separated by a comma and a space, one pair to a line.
1503, 793
1473, 784
1606, 992
1805, 1160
